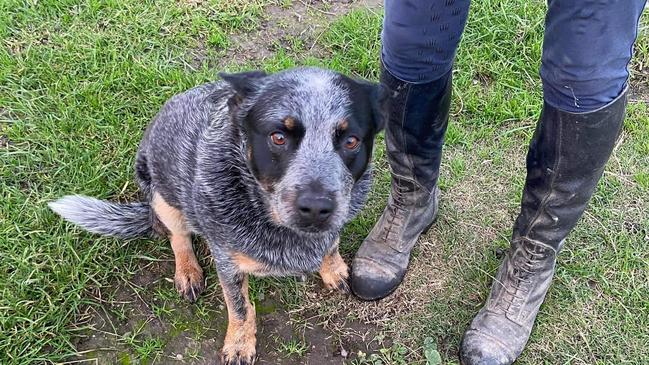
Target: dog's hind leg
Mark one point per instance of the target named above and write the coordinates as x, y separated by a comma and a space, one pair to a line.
189, 274
334, 271
240, 339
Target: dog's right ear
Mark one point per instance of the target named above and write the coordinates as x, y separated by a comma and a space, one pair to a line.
243, 83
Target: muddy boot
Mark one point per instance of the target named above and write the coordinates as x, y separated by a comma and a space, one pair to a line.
565, 160
417, 116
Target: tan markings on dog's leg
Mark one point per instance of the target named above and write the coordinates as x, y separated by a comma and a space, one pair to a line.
334, 271
189, 274
247, 264
240, 340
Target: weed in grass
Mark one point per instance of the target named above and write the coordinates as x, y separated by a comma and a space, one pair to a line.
286, 4
149, 349
395, 355
642, 178
292, 347
161, 311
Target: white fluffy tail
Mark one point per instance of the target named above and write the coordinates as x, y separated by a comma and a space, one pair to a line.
129, 220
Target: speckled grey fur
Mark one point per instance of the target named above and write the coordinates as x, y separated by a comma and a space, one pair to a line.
194, 155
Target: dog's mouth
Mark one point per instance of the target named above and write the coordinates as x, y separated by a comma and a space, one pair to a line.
286, 216
299, 226
313, 228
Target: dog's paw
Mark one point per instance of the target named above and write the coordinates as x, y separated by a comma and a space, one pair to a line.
189, 280
335, 274
239, 354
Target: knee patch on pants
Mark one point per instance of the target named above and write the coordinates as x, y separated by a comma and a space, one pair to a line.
586, 50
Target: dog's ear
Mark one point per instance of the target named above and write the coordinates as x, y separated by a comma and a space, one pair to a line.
243, 83
377, 95
380, 94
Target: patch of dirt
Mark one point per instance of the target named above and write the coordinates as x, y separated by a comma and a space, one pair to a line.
128, 321
4, 141
303, 21
321, 346
639, 92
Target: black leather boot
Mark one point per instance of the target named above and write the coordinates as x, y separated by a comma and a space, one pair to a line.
565, 161
417, 116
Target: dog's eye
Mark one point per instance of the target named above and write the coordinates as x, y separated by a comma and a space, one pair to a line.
278, 138
352, 142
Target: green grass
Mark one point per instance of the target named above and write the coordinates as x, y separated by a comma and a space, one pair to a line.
79, 81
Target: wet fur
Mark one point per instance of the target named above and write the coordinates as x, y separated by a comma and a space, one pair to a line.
193, 166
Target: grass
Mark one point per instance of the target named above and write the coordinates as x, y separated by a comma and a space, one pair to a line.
79, 81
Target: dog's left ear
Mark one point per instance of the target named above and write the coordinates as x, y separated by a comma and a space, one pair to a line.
243, 83
378, 95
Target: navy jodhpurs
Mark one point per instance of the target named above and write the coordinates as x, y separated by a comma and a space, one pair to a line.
586, 49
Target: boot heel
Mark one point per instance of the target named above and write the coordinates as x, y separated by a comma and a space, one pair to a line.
430, 225
433, 222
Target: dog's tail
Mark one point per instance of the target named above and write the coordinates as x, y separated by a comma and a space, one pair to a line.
129, 220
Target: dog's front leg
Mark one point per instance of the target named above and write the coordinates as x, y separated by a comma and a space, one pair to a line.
240, 340
334, 271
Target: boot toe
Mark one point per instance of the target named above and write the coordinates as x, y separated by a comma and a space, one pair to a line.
481, 349
371, 280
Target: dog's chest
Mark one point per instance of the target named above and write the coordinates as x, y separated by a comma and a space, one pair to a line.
278, 263
287, 256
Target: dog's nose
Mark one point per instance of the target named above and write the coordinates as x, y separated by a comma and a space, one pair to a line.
315, 208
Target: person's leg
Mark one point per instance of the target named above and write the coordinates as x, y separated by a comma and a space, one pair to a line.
586, 51
420, 39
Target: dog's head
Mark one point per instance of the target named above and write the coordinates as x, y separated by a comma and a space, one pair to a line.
308, 135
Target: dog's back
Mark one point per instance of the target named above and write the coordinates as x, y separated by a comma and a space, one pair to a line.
167, 153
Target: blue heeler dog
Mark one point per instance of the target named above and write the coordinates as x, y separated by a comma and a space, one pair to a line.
267, 168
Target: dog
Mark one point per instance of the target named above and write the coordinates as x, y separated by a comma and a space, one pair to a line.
267, 168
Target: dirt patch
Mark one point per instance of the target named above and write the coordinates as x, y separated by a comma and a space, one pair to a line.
639, 92
4, 141
295, 27
138, 321
144, 321
282, 339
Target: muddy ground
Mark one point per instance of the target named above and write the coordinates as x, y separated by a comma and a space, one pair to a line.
130, 323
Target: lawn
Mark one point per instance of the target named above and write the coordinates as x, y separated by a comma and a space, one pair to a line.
80, 80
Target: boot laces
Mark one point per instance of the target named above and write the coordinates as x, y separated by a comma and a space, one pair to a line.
521, 275
396, 213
